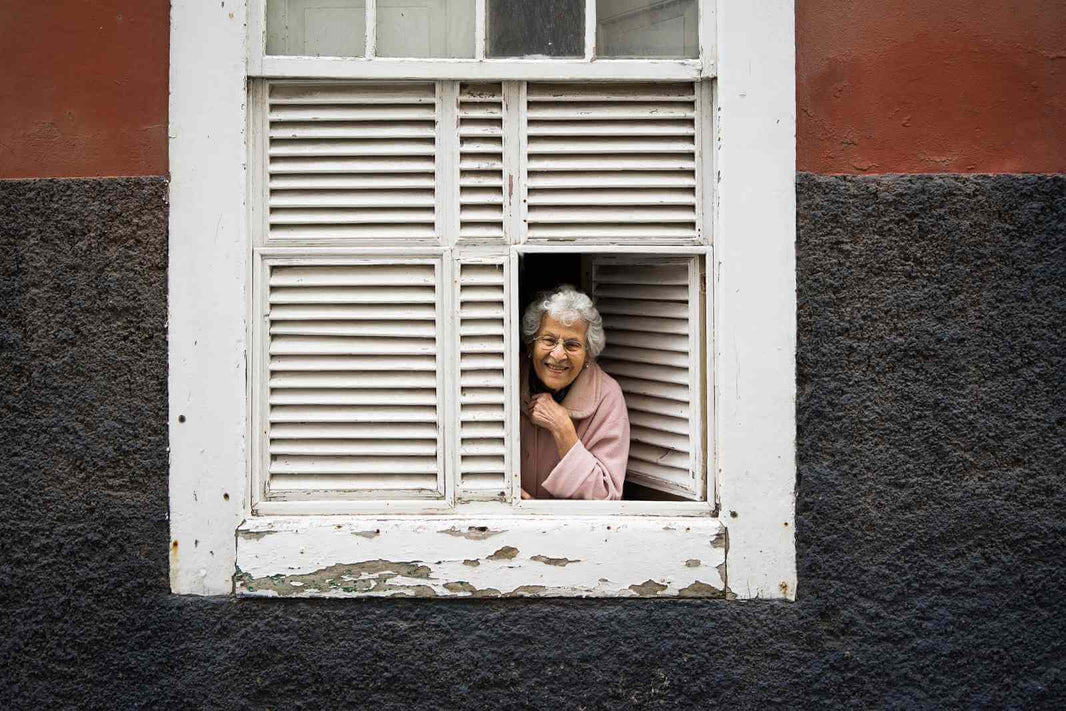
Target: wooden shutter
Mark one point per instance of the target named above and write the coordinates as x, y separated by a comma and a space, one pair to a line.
652, 310
611, 163
480, 162
354, 161
352, 380
483, 380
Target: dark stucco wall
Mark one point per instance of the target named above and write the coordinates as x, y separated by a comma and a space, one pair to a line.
931, 508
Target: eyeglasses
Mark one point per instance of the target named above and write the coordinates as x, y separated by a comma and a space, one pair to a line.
572, 347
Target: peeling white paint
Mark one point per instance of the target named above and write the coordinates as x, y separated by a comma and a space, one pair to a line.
545, 557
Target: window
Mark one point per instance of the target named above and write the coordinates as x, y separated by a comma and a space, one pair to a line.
343, 337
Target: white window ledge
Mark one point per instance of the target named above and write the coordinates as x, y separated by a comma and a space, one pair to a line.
446, 556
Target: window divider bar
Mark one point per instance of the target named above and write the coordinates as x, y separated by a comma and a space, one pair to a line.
522, 219
480, 30
590, 30
371, 28
447, 416
708, 37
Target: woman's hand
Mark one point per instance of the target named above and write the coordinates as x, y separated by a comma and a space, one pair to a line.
546, 413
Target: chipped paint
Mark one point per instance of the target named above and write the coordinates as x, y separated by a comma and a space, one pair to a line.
505, 553
472, 533
553, 561
590, 557
649, 588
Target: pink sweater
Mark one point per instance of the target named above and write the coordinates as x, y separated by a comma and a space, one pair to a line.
595, 467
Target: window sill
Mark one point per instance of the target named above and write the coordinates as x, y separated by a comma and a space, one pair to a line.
447, 556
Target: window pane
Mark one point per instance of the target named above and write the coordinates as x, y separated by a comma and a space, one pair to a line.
333, 28
425, 28
646, 28
554, 28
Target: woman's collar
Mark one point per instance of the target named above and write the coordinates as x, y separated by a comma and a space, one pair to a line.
580, 400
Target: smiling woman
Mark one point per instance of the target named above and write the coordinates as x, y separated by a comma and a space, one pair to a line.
575, 426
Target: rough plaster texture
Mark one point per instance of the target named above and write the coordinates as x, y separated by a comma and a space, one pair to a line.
931, 524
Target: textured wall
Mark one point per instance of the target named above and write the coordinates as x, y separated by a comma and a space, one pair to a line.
931, 511
83, 87
923, 86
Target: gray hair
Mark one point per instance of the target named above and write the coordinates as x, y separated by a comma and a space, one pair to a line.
566, 305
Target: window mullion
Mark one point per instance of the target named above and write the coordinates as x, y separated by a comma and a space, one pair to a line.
590, 30
371, 28
479, 29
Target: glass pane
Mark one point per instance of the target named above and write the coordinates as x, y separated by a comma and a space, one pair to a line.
647, 28
425, 28
332, 28
517, 28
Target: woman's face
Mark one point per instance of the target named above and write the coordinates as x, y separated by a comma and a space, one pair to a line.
559, 352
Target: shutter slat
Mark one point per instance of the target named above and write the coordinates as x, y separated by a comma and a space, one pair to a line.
351, 147
353, 363
337, 295
329, 345
351, 431
658, 373
609, 216
372, 414
353, 380
645, 355
352, 161
368, 396
377, 485
393, 329
353, 447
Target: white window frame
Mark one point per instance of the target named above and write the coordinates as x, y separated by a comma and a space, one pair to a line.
747, 550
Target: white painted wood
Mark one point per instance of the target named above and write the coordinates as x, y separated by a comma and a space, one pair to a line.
611, 163
709, 37
357, 161
256, 36
590, 30
335, 361
479, 30
483, 464
396, 69
371, 28
615, 556
207, 298
446, 187
756, 294
650, 308
481, 175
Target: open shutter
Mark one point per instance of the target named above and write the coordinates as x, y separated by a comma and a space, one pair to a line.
354, 161
651, 308
480, 162
483, 380
611, 162
353, 388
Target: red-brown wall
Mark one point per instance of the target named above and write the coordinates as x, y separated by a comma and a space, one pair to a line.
931, 86
83, 87
908, 86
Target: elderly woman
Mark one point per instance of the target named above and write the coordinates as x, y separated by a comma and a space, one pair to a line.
575, 428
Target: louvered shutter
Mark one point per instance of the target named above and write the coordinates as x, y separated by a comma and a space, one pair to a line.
354, 161
483, 380
480, 162
651, 310
611, 163
353, 388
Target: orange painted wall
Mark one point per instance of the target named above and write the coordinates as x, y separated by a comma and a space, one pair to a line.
83, 87
907, 86
931, 86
